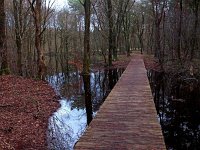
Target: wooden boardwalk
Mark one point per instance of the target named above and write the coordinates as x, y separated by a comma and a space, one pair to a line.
127, 120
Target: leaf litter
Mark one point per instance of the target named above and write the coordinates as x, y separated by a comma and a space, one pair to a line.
25, 106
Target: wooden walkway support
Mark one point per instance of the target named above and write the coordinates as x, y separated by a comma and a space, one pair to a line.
127, 120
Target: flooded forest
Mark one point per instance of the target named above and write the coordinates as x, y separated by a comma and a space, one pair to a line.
59, 60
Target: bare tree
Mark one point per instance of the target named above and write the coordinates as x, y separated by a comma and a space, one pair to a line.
139, 25
20, 14
158, 11
40, 26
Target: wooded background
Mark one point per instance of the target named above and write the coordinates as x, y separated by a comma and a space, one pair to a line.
35, 34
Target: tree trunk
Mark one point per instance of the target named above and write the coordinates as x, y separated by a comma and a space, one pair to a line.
158, 10
111, 42
157, 40
180, 30
3, 49
126, 25
17, 6
38, 38
194, 42
86, 62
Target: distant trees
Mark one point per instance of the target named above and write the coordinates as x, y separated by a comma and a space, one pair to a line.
140, 31
35, 37
39, 35
114, 24
171, 29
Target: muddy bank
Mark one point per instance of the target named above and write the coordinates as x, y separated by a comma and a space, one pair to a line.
25, 106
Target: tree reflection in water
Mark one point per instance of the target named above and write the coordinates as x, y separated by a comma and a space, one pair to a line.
69, 122
177, 100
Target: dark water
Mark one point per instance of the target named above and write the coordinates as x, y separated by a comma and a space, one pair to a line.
177, 100
69, 122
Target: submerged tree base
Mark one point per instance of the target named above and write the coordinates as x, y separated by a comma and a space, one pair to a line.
25, 106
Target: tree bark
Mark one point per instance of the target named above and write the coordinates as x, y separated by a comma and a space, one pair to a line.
140, 28
158, 11
3, 49
180, 30
38, 37
194, 42
17, 7
86, 62
111, 36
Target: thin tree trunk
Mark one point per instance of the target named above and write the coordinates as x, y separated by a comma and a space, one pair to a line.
3, 49
17, 6
194, 34
38, 40
157, 40
180, 30
111, 42
158, 10
126, 24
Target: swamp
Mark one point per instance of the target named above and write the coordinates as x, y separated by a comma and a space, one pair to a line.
60, 59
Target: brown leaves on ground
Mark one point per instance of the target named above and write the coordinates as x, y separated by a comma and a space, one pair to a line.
122, 62
152, 63
25, 106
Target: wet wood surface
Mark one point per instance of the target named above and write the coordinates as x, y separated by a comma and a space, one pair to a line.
127, 120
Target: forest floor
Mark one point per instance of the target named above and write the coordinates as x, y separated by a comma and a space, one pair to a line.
151, 63
25, 106
180, 77
121, 62
184, 68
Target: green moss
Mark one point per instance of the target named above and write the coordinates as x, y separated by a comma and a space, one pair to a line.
5, 71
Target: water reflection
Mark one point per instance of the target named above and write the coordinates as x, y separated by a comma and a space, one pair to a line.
69, 122
177, 100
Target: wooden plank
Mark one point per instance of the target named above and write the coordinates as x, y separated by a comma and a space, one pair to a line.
127, 120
